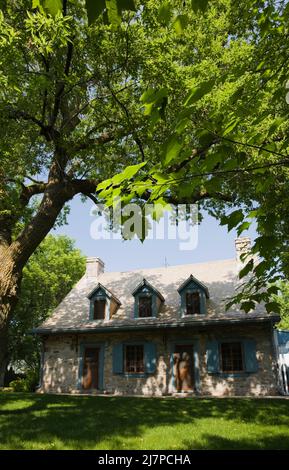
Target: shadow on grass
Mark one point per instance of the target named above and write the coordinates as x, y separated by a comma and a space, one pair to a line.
84, 422
215, 442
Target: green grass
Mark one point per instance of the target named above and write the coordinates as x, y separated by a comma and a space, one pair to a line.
29, 421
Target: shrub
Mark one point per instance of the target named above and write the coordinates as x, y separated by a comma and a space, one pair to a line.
26, 384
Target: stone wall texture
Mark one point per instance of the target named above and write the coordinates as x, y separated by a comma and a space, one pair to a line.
62, 359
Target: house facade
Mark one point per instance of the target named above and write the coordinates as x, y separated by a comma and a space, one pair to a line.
159, 332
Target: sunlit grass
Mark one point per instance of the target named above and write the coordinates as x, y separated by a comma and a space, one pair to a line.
29, 421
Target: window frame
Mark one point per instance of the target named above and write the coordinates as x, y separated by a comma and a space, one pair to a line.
103, 301
147, 297
134, 373
192, 293
242, 355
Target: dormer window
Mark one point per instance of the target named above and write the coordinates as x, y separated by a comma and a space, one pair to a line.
103, 304
99, 309
148, 300
145, 306
193, 297
193, 303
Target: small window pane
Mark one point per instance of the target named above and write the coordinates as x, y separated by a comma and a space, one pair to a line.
192, 303
232, 358
145, 306
99, 309
134, 359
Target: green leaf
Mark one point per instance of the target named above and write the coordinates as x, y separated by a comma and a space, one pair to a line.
273, 290
231, 125
152, 95
199, 91
50, 6
233, 219
53, 6
260, 269
244, 226
247, 306
94, 9
181, 125
126, 5
112, 8
104, 184
36, 3
180, 23
113, 13
249, 266
173, 148
165, 13
275, 125
128, 173
272, 307
199, 5
155, 102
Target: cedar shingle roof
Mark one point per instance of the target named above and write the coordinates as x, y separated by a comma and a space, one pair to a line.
219, 277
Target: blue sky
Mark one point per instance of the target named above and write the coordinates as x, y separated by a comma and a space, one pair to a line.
214, 242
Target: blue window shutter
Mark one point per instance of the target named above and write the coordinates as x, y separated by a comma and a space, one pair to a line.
213, 356
150, 357
117, 358
251, 363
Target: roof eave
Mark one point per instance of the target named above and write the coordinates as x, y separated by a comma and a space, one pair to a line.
155, 326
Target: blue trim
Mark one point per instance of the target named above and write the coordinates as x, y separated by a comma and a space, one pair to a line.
99, 294
197, 284
101, 347
145, 292
244, 372
145, 283
145, 358
192, 287
195, 342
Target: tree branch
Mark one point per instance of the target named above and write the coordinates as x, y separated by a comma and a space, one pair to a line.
29, 191
18, 114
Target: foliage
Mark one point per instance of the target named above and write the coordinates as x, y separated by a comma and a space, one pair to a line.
117, 423
189, 94
283, 300
229, 136
50, 274
27, 384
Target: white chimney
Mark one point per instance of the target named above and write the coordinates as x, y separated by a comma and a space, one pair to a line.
94, 267
242, 246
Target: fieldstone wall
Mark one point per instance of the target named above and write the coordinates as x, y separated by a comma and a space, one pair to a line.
62, 360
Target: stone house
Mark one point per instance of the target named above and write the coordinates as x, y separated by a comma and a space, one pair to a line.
157, 332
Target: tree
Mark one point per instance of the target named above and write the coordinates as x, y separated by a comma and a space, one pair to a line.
71, 111
50, 274
283, 300
235, 119
71, 116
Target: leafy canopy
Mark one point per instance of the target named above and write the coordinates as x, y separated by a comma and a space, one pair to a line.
178, 102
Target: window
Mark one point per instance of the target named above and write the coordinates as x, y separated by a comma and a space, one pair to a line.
232, 357
99, 309
134, 359
192, 303
145, 306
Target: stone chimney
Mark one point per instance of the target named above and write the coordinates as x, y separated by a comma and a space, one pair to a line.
242, 246
94, 267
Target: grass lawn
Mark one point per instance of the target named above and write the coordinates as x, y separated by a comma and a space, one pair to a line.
29, 421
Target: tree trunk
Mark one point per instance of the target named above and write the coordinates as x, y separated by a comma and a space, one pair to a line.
15, 254
10, 278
